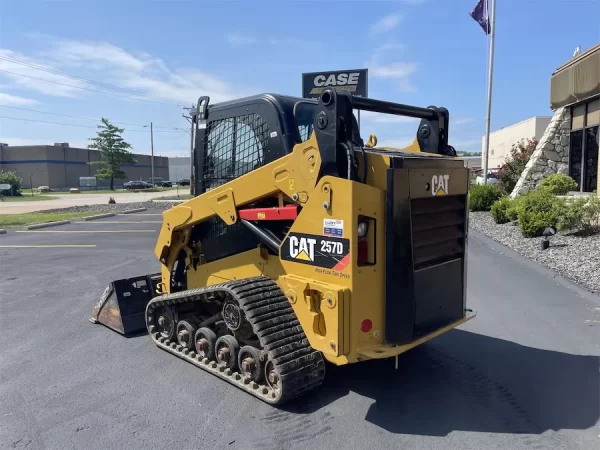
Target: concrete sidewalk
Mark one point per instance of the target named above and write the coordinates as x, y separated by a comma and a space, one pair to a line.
68, 200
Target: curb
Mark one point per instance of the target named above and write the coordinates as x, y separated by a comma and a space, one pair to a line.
129, 211
99, 216
49, 224
168, 201
2, 231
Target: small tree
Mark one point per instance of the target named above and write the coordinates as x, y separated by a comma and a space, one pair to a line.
10, 177
113, 152
515, 163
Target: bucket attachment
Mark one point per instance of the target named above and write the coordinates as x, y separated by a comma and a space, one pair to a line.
122, 306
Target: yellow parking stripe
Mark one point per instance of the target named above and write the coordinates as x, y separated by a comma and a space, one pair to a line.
50, 246
86, 231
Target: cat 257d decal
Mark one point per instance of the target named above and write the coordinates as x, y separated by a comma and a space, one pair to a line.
321, 251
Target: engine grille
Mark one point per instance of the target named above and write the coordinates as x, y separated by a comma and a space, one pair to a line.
438, 229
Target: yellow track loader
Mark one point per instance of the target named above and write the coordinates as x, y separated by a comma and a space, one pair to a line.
303, 246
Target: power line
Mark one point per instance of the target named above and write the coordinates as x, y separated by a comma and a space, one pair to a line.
78, 117
83, 88
81, 126
87, 80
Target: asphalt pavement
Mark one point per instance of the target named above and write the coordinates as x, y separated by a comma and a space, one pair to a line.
524, 374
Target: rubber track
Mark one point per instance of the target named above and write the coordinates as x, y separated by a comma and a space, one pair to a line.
300, 368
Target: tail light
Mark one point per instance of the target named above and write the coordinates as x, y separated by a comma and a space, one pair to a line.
366, 241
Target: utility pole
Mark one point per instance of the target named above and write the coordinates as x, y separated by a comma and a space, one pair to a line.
152, 151
192, 177
489, 99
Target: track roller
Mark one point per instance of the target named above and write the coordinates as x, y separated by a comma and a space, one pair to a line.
165, 322
185, 334
250, 364
227, 349
206, 340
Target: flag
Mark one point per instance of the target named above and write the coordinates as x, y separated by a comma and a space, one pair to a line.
481, 15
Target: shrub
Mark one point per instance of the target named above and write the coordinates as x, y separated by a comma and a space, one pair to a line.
483, 196
582, 214
511, 170
10, 177
558, 184
500, 210
538, 210
512, 212
111, 200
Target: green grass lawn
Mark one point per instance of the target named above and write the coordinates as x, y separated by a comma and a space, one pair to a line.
19, 220
27, 197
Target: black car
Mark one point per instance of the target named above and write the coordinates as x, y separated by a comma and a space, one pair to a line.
184, 182
164, 183
136, 184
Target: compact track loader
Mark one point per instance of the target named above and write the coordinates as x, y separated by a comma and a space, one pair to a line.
303, 245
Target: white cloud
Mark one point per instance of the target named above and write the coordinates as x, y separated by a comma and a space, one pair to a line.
105, 62
240, 39
19, 76
386, 24
399, 72
13, 100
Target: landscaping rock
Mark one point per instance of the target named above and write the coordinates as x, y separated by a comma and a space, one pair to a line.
575, 258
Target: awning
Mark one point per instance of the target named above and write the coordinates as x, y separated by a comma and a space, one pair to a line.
577, 80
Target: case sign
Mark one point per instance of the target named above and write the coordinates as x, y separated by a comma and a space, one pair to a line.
351, 81
333, 227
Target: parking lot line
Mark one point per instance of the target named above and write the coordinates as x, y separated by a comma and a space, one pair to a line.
85, 231
50, 246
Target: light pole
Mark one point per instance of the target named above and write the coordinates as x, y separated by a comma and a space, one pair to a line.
191, 132
152, 153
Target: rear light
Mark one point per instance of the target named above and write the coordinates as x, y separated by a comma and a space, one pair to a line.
363, 252
366, 241
363, 227
366, 325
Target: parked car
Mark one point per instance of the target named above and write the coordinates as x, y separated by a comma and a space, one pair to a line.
164, 183
136, 184
491, 178
184, 182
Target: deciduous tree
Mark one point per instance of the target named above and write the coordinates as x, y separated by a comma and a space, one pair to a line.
113, 152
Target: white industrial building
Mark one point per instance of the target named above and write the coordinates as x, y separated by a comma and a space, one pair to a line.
179, 168
502, 140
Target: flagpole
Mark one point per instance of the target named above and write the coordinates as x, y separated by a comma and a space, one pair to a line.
489, 94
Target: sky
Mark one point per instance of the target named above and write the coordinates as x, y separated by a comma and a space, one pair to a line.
418, 52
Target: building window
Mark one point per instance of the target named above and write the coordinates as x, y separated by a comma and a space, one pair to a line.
583, 147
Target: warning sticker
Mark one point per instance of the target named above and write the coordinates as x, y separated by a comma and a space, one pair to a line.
333, 227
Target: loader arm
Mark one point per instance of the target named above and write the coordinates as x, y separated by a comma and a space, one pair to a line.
295, 174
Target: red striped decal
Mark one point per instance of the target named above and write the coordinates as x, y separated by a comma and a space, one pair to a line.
284, 213
343, 263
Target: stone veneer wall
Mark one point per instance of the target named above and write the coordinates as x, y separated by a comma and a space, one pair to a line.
551, 154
